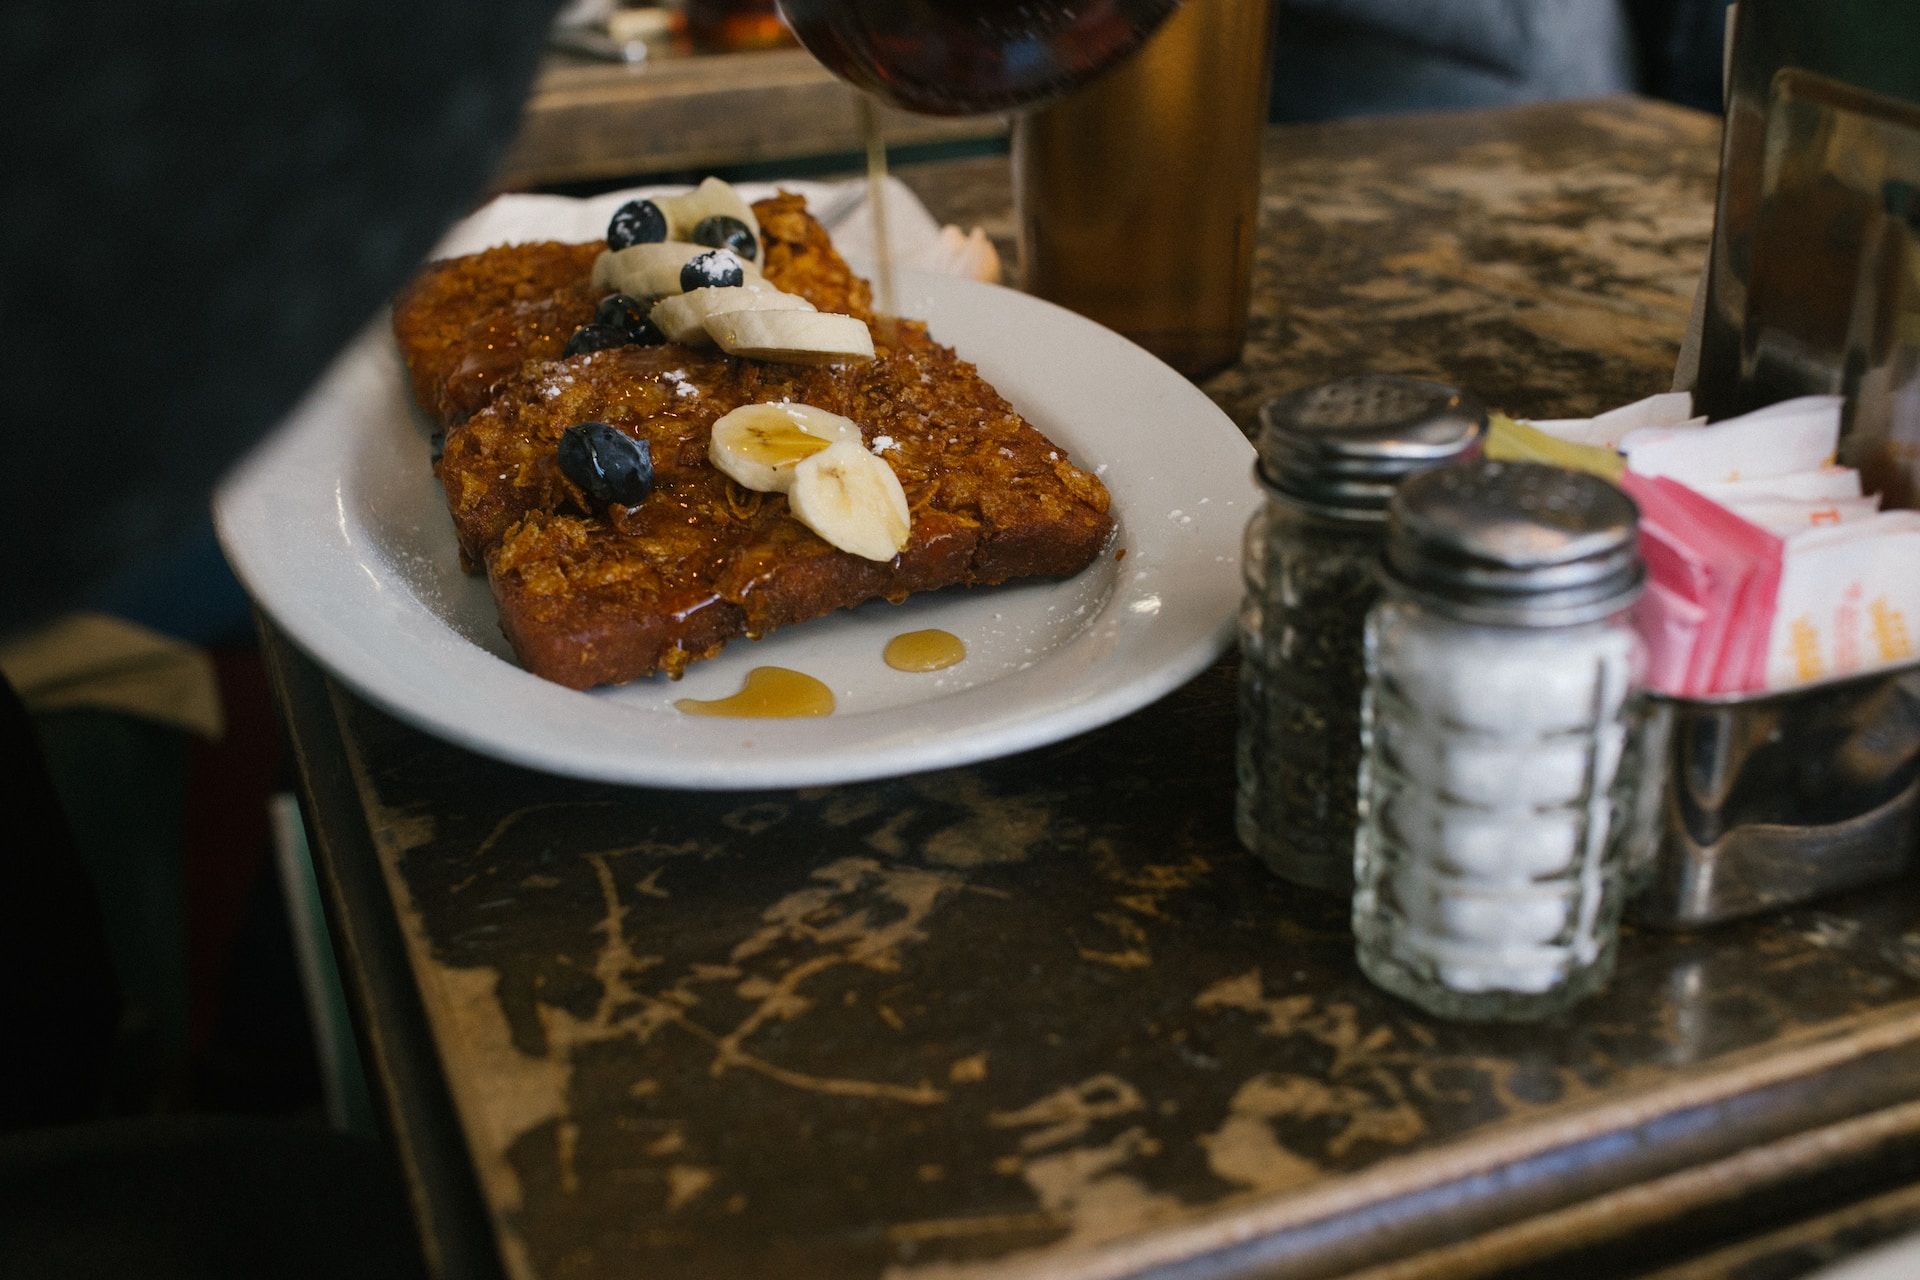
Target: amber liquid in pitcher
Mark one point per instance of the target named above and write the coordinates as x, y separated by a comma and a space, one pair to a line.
730, 26
1139, 195
966, 57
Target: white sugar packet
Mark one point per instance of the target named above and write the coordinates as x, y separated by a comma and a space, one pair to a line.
1673, 409
1792, 436
1849, 600
1828, 484
915, 237
1800, 500
1785, 516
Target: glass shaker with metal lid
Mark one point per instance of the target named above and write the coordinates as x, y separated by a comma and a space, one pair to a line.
1330, 458
1496, 785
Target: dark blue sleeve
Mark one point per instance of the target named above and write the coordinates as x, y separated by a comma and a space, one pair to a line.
202, 200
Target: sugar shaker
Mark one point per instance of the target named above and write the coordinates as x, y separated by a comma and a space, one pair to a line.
1330, 458
1497, 777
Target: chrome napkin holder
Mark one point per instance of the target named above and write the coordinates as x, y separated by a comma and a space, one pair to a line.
1778, 798
1813, 278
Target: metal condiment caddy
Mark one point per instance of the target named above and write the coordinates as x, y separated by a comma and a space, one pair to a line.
1777, 798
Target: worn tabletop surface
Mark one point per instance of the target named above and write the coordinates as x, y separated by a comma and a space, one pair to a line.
1042, 1015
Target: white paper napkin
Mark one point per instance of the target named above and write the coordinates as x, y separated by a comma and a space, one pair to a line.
917, 239
1782, 439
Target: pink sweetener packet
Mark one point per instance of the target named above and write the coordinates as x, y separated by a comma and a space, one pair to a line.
1669, 626
1742, 664
1722, 568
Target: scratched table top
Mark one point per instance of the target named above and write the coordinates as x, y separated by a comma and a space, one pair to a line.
1043, 1016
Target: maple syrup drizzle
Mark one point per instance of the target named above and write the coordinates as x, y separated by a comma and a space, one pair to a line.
877, 200
930, 650
769, 693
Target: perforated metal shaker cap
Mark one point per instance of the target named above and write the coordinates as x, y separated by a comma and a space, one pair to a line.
1515, 544
1343, 447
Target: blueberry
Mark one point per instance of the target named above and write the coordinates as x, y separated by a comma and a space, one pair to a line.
628, 314
636, 222
437, 445
722, 232
620, 311
595, 337
608, 466
715, 269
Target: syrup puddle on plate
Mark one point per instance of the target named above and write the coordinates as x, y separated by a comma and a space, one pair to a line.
931, 650
769, 693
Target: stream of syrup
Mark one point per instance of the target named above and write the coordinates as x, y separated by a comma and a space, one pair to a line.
877, 200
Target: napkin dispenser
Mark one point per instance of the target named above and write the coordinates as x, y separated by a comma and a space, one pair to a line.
1813, 286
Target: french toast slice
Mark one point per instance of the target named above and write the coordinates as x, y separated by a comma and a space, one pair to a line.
589, 597
467, 325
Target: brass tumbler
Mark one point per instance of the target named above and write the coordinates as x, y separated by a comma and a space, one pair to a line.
1139, 195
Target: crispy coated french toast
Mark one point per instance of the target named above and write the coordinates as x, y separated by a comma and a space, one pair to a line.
466, 325
594, 595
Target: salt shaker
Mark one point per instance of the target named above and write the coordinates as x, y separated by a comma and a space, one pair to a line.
1499, 711
1330, 458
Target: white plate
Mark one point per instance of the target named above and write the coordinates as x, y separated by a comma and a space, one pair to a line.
339, 530
1899, 1260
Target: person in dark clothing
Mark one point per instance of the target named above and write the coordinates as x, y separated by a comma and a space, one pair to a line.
1339, 58
57, 995
203, 202
1682, 44
207, 201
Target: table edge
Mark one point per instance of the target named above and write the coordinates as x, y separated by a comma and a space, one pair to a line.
450, 1211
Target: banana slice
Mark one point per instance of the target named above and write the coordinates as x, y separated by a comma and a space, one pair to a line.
759, 445
792, 337
852, 499
683, 317
653, 270
689, 209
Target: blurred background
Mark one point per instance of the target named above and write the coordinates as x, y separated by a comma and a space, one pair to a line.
647, 90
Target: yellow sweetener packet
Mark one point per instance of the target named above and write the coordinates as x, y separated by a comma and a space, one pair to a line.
1511, 441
